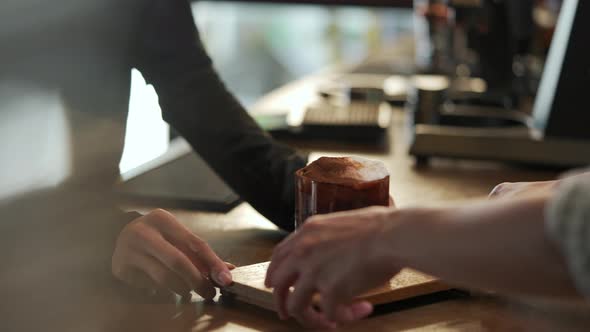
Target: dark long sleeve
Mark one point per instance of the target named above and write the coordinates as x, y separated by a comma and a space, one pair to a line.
197, 104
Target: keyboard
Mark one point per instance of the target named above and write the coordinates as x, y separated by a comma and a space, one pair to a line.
357, 120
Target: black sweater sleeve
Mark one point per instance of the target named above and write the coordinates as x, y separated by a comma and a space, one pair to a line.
197, 104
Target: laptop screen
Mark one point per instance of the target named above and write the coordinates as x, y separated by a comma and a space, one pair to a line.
561, 108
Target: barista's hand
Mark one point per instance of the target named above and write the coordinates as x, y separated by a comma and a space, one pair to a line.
158, 253
510, 190
339, 256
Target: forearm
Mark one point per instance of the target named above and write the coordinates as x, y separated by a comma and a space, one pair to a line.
196, 103
499, 246
255, 166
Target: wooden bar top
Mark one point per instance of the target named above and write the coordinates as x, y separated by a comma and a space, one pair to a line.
31, 299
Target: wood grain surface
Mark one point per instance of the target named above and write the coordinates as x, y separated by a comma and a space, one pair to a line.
249, 287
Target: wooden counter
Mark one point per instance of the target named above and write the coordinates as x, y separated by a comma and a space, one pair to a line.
87, 301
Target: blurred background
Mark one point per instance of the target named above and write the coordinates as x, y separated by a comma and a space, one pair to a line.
260, 46
257, 47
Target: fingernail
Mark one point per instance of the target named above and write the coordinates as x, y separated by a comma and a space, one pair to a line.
223, 278
361, 310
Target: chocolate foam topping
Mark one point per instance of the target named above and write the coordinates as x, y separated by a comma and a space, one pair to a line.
344, 170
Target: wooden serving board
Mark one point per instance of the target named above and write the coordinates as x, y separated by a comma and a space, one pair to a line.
249, 287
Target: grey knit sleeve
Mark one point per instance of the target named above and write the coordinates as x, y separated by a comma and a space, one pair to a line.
568, 224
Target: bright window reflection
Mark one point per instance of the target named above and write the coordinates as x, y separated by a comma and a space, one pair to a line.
147, 134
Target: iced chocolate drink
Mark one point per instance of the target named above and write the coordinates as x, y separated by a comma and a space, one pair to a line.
339, 184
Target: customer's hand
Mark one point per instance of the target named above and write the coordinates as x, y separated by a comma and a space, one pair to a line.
339, 256
509, 190
158, 253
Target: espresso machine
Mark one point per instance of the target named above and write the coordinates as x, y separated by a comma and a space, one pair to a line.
473, 104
